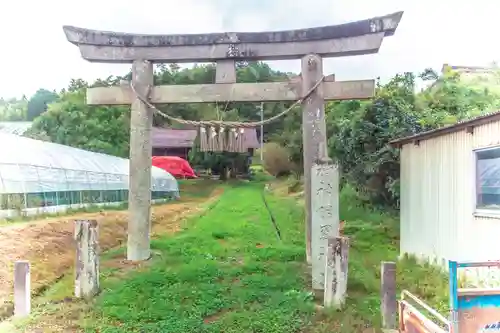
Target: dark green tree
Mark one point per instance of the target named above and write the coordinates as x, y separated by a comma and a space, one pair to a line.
38, 103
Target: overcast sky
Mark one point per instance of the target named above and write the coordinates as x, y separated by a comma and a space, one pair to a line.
34, 52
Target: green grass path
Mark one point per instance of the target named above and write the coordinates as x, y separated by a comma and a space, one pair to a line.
226, 273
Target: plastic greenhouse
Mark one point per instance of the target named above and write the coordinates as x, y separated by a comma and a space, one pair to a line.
15, 127
41, 177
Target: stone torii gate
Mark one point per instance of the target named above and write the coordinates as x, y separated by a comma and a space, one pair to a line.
309, 45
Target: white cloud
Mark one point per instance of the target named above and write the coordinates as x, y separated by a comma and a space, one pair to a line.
35, 53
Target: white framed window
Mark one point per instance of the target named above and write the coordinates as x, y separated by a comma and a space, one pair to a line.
488, 180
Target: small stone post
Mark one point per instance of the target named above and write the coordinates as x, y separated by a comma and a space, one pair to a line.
87, 258
388, 301
337, 258
22, 289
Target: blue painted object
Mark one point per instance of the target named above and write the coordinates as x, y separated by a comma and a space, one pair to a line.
480, 301
473, 310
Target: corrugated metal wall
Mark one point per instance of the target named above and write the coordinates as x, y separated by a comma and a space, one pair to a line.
437, 198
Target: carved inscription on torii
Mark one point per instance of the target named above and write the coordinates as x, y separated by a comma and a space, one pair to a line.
325, 215
309, 45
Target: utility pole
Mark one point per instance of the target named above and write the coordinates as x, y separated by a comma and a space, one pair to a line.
261, 132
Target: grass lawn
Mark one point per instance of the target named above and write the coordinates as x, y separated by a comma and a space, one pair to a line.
228, 272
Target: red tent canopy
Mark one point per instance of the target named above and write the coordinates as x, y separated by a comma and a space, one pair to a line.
176, 166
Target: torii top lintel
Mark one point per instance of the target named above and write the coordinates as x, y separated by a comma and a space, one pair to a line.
354, 38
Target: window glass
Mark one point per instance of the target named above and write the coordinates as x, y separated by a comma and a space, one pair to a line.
488, 179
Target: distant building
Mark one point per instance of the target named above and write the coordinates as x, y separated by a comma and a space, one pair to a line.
178, 142
469, 70
172, 142
477, 74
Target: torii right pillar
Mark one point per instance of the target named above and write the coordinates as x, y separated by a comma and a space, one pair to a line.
314, 136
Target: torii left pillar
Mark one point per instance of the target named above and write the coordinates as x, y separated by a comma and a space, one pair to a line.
139, 199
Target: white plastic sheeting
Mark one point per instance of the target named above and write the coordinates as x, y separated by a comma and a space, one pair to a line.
15, 127
33, 166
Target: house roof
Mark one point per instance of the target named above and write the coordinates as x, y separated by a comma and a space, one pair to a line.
466, 124
173, 138
184, 138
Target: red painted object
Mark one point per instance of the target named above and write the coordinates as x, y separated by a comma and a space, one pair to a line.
176, 166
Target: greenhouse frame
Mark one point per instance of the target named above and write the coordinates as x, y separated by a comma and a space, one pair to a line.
38, 177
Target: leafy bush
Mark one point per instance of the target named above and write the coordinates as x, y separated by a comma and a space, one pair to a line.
359, 132
276, 159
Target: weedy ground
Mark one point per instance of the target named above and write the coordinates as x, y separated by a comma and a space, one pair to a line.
226, 271
48, 244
